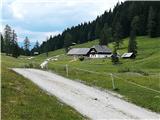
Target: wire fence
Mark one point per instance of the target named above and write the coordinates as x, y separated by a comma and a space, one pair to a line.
109, 80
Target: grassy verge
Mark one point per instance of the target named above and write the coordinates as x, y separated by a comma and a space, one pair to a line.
144, 71
123, 81
23, 100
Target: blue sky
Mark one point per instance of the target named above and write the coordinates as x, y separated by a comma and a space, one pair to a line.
38, 19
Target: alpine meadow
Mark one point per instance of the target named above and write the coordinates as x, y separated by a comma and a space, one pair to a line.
106, 68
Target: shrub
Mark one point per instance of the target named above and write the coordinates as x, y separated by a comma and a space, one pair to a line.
81, 58
115, 59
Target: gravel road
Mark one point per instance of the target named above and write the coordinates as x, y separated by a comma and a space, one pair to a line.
89, 101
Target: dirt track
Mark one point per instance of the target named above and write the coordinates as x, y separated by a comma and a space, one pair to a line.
89, 101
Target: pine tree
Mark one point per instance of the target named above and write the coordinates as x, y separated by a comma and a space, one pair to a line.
7, 39
14, 45
115, 58
15, 50
45, 47
106, 35
118, 35
67, 41
158, 25
26, 46
132, 46
122, 13
97, 29
36, 47
151, 23
2, 43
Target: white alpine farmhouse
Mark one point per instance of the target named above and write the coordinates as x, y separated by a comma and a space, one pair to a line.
97, 51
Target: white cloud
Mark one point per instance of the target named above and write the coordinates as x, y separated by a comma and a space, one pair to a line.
40, 18
33, 36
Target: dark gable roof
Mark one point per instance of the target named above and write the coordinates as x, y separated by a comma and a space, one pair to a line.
78, 51
102, 49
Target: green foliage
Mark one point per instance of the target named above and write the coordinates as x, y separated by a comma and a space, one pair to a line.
15, 50
9, 42
106, 35
2, 43
81, 58
119, 21
98, 29
158, 24
144, 70
115, 58
67, 41
132, 45
7, 39
151, 22
26, 46
21, 99
35, 48
118, 35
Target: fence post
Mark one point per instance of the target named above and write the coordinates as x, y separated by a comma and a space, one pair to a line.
67, 70
113, 84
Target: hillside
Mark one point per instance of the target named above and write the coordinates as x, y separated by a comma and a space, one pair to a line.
133, 78
137, 80
147, 58
120, 17
21, 99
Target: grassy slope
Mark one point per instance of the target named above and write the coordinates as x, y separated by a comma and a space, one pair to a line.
23, 100
144, 70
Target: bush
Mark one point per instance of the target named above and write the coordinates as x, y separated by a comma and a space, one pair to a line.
115, 59
81, 58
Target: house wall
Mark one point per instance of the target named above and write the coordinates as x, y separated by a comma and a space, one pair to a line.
97, 55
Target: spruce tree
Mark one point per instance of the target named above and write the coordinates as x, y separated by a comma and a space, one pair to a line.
45, 47
97, 29
7, 39
36, 48
132, 45
158, 25
151, 23
37, 45
106, 35
118, 35
13, 44
2, 43
26, 46
67, 41
115, 58
15, 50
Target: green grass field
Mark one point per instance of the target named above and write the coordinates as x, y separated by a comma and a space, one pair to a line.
23, 100
128, 76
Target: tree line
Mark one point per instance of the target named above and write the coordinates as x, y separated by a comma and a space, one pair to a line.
9, 44
130, 18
